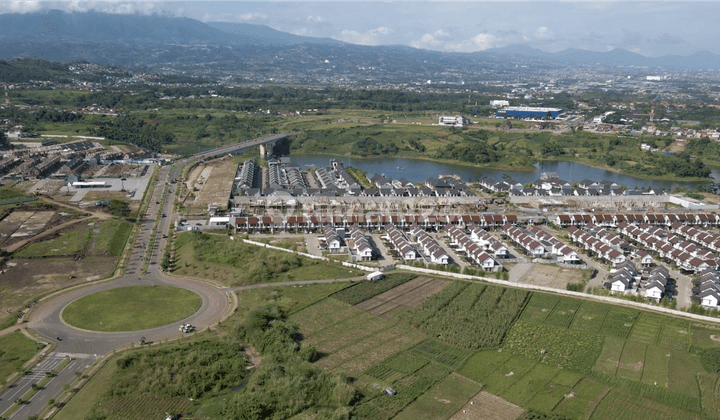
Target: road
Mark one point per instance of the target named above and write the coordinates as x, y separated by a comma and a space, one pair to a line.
86, 346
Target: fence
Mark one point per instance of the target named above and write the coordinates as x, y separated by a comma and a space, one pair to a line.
18, 200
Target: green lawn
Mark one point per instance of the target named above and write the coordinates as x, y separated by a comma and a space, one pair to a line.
15, 350
113, 237
68, 243
132, 308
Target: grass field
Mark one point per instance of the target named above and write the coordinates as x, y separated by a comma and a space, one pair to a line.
132, 308
113, 236
67, 243
488, 407
233, 262
15, 350
442, 400
623, 406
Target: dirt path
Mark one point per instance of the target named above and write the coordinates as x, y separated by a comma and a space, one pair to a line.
17, 245
519, 271
99, 214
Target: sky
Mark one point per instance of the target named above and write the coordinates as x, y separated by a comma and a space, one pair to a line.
650, 28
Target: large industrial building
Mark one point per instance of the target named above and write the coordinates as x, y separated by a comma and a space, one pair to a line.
528, 112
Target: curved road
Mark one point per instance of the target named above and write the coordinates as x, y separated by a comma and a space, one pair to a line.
87, 345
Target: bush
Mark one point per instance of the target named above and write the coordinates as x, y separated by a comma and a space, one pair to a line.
711, 360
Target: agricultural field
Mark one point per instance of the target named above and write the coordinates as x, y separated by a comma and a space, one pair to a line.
487, 406
363, 291
469, 315
234, 263
623, 406
442, 400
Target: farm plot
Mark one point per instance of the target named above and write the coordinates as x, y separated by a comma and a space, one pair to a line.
704, 335
683, 368
146, 406
508, 374
346, 332
451, 356
563, 313
618, 405
657, 362
380, 352
647, 328
632, 361
483, 363
567, 349
442, 400
479, 317
323, 314
559, 388
710, 390
619, 322
590, 317
530, 384
214, 183
539, 307
584, 396
403, 297
487, 406
610, 356
675, 333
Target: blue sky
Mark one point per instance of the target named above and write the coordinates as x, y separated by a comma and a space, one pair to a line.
649, 28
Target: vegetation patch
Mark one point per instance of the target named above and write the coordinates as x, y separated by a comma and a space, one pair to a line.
442, 400
15, 350
113, 237
574, 350
67, 243
131, 308
233, 262
363, 291
623, 406
476, 318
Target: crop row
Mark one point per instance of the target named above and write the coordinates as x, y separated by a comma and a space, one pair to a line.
363, 291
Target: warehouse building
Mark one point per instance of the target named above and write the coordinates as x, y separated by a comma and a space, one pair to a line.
528, 112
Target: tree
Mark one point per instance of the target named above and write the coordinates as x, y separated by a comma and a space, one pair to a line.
119, 208
4, 142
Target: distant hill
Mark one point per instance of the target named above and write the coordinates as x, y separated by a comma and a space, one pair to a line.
138, 40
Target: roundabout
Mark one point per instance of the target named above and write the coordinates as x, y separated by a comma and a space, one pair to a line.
131, 308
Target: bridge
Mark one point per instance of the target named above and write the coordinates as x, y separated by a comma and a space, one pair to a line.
266, 146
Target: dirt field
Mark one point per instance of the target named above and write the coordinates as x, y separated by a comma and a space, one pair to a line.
487, 406
212, 183
550, 275
24, 222
407, 295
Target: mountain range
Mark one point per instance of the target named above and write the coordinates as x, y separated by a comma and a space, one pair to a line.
138, 40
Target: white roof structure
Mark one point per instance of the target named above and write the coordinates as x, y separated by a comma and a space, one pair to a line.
375, 275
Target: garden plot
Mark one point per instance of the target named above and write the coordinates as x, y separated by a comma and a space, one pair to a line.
487, 406
405, 296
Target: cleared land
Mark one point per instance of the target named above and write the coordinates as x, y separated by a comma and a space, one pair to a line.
212, 184
86, 251
487, 406
550, 275
132, 308
232, 262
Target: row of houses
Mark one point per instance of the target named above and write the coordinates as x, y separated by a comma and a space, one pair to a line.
539, 244
706, 289
625, 277
430, 246
612, 220
549, 186
367, 221
246, 177
670, 247
474, 250
360, 244
702, 237
401, 245
601, 243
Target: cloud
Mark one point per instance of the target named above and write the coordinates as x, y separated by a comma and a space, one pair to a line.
431, 41
544, 33
315, 19
479, 42
371, 37
669, 39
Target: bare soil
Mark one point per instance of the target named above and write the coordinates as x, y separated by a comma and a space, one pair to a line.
26, 221
549, 275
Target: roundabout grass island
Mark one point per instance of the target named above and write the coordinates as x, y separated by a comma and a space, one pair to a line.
132, 308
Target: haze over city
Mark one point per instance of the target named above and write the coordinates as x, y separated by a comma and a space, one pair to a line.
649, 28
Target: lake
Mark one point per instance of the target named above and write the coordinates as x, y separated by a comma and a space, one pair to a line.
419, 170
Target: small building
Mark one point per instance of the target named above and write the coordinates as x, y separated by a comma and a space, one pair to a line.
453, 121
375, 275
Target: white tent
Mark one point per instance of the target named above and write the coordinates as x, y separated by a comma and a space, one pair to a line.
375, 275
